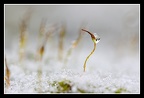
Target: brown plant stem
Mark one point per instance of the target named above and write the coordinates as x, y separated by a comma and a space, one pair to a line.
7, 75
23, 33
94, 40
73, 45
61, 42
89, 56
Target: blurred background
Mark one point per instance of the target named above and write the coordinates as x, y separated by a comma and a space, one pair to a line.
116, 24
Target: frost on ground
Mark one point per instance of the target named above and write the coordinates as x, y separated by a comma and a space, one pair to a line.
54, 79
106, 72
67, 81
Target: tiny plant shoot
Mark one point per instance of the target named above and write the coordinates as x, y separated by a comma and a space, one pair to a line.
73, 45
41, 49
22, 40
42, 28
61, 41
95, 39
40, 53
23, 33
40, 36
7, 74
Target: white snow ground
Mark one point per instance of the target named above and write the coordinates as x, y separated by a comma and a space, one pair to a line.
121, 77
89, 82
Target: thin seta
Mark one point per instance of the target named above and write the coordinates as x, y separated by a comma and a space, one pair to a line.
74, 44
95, 38
7, 74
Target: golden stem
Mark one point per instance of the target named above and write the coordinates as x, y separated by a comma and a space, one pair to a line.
68, 55
74, 44
23, 30
89, 56
41, 52
61, 41
42, 28
7, 74
22, 46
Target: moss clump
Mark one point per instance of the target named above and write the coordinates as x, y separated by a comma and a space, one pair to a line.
62, 86
120, 90
107, 88
81, 91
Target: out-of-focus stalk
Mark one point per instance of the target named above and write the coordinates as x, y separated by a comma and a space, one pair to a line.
22, 42
40, 54
44, 39
23, 33
42, 29
7, 74
73, 45
61, 42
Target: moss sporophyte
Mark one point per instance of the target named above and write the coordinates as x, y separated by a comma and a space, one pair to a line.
73, 45
24, 33
7, 75
62, 34
95, 38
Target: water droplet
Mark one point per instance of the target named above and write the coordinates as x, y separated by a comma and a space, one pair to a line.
97, 37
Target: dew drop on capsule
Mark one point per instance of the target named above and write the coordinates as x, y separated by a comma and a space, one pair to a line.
97, 37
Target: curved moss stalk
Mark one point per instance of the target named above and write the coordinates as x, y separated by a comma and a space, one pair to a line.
94, 39
89, 56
